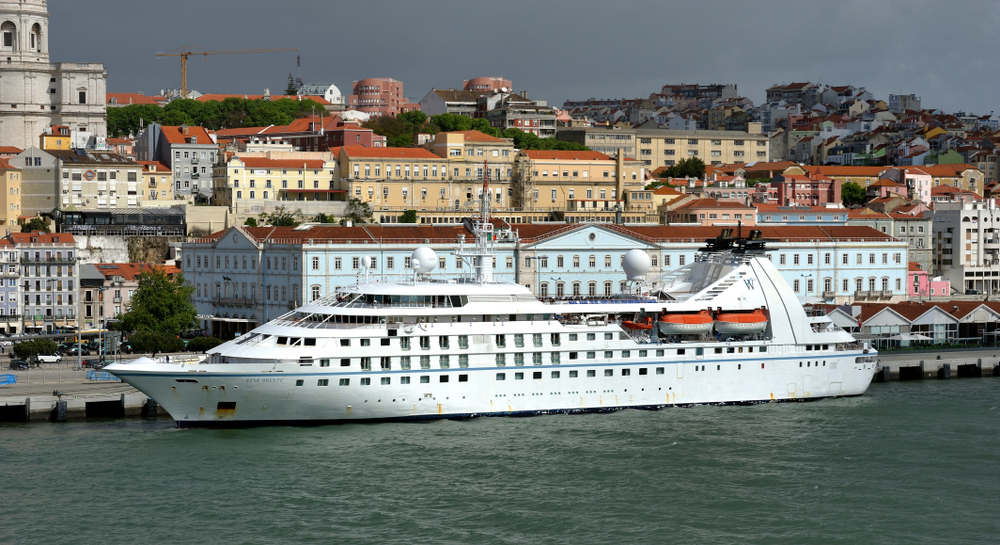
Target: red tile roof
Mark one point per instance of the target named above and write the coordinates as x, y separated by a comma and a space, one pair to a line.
560, 155
148, 166
264, 162
385, 153
133, 98
221, 97
174, 135
43, 238
128, 271
10, 150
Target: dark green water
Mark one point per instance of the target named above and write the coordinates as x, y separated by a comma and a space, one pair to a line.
906, 463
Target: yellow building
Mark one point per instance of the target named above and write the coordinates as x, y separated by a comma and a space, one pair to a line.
157, 188
657, 147
58, 139
10, 200
582, 186
252, 185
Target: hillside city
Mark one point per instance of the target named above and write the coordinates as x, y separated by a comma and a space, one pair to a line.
877, 209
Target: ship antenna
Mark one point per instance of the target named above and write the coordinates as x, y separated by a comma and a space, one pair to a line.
480, 257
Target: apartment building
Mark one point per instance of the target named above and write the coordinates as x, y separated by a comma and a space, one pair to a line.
663, 147
190, 152
378, 97
157, 188
252, 185
966, 245
93, 180
10, 194
10, 318
49, 279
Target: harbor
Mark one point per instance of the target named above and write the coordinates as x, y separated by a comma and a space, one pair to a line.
64, 393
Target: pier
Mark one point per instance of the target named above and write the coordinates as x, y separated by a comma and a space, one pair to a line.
61, 393
931, 365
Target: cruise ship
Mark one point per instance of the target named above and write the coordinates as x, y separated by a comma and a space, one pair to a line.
725, 329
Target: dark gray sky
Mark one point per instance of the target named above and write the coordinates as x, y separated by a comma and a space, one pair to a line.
944, 52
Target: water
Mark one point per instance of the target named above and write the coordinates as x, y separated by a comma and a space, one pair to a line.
906, 463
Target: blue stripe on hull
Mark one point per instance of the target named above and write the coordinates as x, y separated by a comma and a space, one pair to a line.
229, 424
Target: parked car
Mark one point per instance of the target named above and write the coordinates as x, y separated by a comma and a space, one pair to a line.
125, 348
16, 365
54, 358
72, 352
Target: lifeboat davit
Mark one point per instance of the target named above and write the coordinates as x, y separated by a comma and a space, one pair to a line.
645, 323
728, 323
686, 323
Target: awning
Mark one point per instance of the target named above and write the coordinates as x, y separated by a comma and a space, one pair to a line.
910, 337
220, 319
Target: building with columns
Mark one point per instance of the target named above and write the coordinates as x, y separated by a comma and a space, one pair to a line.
35, 93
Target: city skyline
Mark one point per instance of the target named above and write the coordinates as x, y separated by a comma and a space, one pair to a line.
556, 51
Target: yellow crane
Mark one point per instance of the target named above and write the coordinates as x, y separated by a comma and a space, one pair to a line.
184, 54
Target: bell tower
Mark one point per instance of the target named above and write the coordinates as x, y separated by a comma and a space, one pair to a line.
24, 31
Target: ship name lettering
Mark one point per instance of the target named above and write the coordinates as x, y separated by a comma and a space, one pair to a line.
263, 380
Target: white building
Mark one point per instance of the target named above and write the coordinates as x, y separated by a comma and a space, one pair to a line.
36, 94
967, 245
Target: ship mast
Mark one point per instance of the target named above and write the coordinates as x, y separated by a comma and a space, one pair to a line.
480, 256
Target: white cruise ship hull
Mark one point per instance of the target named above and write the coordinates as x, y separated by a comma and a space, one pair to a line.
227, 395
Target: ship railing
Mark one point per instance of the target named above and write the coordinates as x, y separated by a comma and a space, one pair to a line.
325, 325
845, 347
608, 300
185, 358
377, 306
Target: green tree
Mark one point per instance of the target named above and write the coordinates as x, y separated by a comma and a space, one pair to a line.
127, 120
250, 222
322, 218
155, 341
27, 349
281, 217
754, 181
35, 224
290, 88
201, 344
358, 212
852, 194
409, 216
692, 167
161, 304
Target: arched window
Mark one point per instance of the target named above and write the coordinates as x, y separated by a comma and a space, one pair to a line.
314, 293
243, 290
885, 284
9, 36
543, 290
576, 288
859, 284
35, 41
560, 289
827, 284
871, 284
218, 289
607, 288
253, 292
592, 288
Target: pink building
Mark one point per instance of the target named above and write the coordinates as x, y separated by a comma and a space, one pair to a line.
920, 284
809, 189
487, 84
379, 96
708, 212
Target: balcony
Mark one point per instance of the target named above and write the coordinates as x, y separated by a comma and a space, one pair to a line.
47, 260
116, 299
829, 294
861, 294
237, 301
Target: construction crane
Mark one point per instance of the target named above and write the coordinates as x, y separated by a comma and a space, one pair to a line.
184, 54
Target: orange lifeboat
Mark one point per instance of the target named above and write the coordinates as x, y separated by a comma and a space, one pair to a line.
686, 323
645, 323
741, 322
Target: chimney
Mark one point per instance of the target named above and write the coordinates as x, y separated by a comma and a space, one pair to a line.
184, 130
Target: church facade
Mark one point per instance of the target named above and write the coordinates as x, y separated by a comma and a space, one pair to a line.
36, 93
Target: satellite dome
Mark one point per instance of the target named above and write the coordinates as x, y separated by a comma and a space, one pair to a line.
366, 262
635, 264
423, 260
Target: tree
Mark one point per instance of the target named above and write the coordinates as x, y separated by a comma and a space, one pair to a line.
281, 217
692, 167
201, 344
852, 194
161, 304
251, 222
26, 349
155, 341
409, 216
752, 182
358, 212
35, 224
291, 89
322, 218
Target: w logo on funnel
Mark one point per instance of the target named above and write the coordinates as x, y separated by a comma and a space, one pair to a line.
748, 282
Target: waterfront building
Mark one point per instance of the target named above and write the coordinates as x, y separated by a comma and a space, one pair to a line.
775, 214
10, 194
10, 318
663, 147
37, 93
966, 245
708, 212
252, 185
48, 280
915, 231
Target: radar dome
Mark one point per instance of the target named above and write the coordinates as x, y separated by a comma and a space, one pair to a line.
635, 264
366, 262
423, 260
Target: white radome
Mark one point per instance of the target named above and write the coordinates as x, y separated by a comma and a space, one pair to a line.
636, 264
423, 260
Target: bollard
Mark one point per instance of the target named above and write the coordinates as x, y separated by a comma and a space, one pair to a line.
27, 409
944, 372
59, 412
149, 408
882, 375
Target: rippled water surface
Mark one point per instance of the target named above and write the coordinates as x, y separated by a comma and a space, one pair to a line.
906, 463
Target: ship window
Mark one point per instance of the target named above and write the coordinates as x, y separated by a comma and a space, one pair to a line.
699, 351
345, 382
444, 363
591, 355
626, 353
659, 353
425, 362
572, 336
718, 367
385, 341
608, 354
730, 350
800, 364
643, 353
591, 373
323, 382
501, 360
826, 347
554, 358
386, 381
537, 375
643, 371
763, 349
572, 374
501, 341
518, 376
367, 381
463, 341
501, 376
574, 355
386, 363
404, 380
608, 372
404, 343
366, 363
425, 343
718, 350
555, 374
739, 366
424, 379
324, 363
299, 382
749, 349
591, 336
345, 342
366, 342
626, 372
762, 366
609, 336
463, 360
404, 362
282, 340
659, 370
443, 341
309, 342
